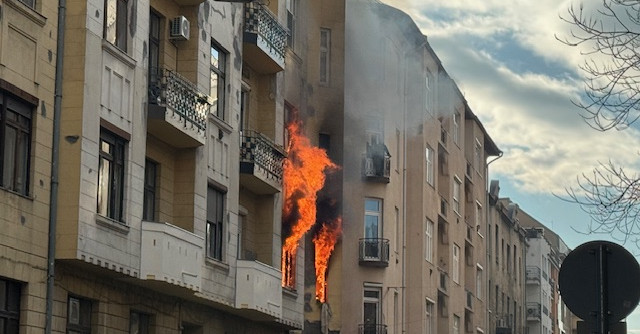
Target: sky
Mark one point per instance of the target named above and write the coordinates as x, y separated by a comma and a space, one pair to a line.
520, 81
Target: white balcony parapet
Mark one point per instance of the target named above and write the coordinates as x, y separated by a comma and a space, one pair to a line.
171, 254
259, 288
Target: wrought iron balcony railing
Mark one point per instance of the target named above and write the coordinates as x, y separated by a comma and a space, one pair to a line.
372, 329
258, 149
374, 251
169, 89
259, 20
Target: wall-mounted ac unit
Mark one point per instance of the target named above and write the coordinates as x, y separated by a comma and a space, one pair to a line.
180, 29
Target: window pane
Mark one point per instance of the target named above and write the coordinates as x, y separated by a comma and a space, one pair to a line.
371, 227
9, 163
103, 186
110, 21
372, 205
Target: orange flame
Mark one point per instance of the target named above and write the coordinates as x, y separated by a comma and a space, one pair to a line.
304, 176
325, 242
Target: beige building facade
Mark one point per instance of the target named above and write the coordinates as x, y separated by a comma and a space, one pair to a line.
27, 85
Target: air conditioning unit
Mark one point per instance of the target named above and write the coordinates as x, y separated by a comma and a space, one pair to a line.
180, 29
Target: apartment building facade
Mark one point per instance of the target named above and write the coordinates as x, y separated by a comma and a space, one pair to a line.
27, 85
507, 247
172, 169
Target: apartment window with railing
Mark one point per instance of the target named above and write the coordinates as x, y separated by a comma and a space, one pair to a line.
79, 316
372, 310
217, 82
111, 175
372, 227
10, 292
215, 224
429, 156
115, 23
15, 143
325, 55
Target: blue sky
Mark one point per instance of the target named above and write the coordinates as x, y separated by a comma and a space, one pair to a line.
520, 81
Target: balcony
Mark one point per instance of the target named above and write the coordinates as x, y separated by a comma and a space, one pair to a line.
260, 163
374, 252
532, 275
533, 311
372, 329
177, 112
264, 39
376, 164
259, 289
171, 255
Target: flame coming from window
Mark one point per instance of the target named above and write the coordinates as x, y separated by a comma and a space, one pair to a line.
304, 176
324, 243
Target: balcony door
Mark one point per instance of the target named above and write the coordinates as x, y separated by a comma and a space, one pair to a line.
371, 310
154, 55
372, 227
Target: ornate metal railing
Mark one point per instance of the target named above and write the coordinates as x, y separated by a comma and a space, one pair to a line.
169, 89
260, 150
259, 20
372, 329
374, 250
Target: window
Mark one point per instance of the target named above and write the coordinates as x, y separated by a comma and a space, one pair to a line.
479, 219
456, 264
428, 316
430, 93
477, 156
456, 195
291, 22
398, 229
29, 3
497, 249
325, 55
79, 316
139, 323
111, 175
430, 171
10, 292
215, 215
456, 128
456, 324
372, 314
149, 202
372, 227
508, 258
479, 281
428, 241
218, 82
154, 48
15, 143
115, 23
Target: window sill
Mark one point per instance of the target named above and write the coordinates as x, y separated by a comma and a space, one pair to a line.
12, 192
115, 225
289, 292
226, 127
119, 54
27, 11
217, 264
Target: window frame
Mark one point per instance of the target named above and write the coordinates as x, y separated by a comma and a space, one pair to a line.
291, 7
428, 240
324, 72
377, 301
140, 326
455, 273
218, 68
85, 309
115, 187
456, 128
12, 295
150, 189
430, 165
21, 124
455, 194
377, 214
119, 39
215, 223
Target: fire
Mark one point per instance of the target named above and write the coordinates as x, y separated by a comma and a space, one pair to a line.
304, 176
324, 243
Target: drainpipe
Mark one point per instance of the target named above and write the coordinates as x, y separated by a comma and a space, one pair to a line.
489, 263
53, 197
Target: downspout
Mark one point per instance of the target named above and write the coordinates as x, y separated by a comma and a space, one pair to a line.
487, 214
53, 196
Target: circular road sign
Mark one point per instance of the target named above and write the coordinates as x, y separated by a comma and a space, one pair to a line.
591, 264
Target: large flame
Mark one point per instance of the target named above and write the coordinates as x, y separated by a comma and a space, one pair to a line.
304, 176
324, 242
